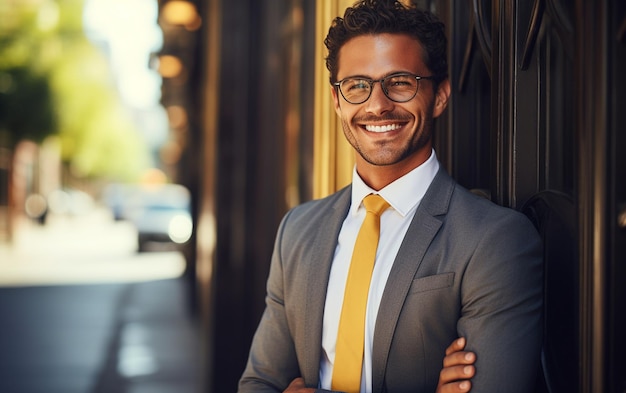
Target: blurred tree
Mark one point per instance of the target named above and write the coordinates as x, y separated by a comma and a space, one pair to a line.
54, 81
26, 106
98, 136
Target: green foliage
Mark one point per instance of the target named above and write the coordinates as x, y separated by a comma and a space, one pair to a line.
26, 106
54, 81
97, 133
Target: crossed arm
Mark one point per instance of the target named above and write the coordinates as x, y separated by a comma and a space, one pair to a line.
458, 369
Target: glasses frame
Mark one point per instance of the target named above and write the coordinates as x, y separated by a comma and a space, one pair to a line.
382, 86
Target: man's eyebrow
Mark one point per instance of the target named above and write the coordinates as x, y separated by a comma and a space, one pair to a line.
392, 73
357, 77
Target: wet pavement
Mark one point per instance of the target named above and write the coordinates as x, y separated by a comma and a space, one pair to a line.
82, 312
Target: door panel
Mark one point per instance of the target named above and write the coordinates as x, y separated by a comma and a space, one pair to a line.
554, 214
555, 103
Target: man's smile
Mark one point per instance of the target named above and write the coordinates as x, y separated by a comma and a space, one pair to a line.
383, 128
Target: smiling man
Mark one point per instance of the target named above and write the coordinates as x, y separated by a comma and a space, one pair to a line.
368, 286
390, 127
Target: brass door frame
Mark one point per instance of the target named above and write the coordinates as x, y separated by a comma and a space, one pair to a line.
333, 158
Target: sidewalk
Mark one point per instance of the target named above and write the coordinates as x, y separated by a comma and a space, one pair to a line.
104, 338
82, 312
92, 248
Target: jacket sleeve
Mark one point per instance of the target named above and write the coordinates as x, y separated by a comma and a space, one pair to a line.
272, 362
502, 302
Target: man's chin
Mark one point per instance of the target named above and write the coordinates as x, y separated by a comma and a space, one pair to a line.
382, 160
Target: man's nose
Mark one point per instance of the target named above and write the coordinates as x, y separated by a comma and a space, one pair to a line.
378, 102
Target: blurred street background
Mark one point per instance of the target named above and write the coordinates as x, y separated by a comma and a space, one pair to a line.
96, 285
148, 151
82, 311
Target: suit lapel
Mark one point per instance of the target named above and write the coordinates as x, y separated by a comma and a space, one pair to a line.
421, 232
325, 234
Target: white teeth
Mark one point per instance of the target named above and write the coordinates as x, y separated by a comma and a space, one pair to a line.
387, 128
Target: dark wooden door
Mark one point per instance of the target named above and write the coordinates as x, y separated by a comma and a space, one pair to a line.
536, 124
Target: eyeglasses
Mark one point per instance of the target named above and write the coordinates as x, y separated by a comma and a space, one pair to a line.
397, 87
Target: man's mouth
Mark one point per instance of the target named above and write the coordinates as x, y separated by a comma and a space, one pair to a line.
385, 128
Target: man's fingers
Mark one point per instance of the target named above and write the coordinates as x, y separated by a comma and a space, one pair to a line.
456, 387
458, 369
457, 345
298, 386
456, 379
457, 373
297, 383
459, 358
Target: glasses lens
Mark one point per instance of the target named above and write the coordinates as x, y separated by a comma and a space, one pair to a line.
355, 90
401, 87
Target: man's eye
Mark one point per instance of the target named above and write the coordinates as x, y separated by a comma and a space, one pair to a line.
358, 85
400, 82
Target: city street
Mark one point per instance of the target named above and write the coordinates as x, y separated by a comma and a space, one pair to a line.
81, 311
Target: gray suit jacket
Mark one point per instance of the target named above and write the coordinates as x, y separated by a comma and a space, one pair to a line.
466, 267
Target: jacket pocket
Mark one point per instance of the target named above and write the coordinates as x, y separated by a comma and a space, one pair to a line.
438, 281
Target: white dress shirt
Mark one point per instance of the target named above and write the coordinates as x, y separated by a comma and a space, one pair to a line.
404, 195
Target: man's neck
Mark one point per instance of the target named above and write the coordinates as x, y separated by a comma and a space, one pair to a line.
379, 176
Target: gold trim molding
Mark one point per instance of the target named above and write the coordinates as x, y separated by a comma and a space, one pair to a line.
333, 157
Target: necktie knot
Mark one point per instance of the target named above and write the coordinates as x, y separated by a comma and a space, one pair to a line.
376, 204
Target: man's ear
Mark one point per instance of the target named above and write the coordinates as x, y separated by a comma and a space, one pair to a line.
441, 97
335, 94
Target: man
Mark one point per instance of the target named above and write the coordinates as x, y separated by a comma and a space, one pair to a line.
447, 263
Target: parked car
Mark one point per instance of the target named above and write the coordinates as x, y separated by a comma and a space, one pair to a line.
160, 213
116, 196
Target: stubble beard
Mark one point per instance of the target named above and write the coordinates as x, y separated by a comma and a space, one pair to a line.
385, 155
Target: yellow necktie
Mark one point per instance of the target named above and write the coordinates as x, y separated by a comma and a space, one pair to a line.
351, 333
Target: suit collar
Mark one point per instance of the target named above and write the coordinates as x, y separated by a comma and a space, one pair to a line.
324, 244
437, 199
404, 193
425, 226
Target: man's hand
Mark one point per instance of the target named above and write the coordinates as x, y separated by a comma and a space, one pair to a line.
458, 368
297, 386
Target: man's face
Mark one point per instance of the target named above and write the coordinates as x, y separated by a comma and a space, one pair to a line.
384, 132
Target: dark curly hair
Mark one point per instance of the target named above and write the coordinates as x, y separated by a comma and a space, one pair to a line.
389, 16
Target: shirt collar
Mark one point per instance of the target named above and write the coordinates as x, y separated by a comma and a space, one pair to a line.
402, 194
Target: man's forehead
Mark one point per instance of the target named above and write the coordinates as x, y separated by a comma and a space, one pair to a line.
381, 54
